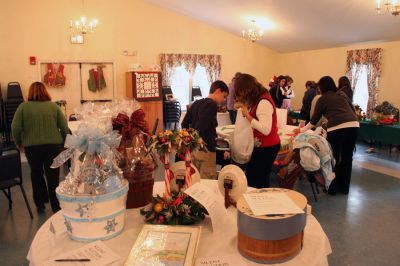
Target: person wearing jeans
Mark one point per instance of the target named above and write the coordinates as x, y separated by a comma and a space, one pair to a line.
39, 128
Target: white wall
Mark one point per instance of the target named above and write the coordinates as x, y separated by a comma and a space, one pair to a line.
40, 28
312, 65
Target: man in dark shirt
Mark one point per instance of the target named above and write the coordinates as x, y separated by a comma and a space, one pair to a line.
202, 116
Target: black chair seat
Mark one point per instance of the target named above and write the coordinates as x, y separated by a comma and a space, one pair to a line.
8, 183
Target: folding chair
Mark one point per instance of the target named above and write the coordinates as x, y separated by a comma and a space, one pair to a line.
11, 175
172, 114
14, 99
2, 120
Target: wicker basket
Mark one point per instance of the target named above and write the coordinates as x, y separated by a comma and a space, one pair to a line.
141, 183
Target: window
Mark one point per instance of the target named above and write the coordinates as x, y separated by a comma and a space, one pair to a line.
200, 79
360, 95
180, 86
182, 82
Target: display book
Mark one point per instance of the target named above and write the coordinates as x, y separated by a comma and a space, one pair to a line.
165, 245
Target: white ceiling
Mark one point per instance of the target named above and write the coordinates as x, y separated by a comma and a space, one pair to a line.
295, 25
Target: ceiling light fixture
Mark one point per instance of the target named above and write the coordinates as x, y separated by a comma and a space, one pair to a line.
389, 6
82, 25
254, 33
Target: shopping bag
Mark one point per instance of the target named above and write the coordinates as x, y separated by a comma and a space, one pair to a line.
242, 140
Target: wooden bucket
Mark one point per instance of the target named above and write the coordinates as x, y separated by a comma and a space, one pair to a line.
271, 239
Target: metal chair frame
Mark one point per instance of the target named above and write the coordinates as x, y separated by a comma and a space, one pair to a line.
11, 175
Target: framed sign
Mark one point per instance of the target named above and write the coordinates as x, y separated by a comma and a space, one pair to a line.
147, 86
165, 245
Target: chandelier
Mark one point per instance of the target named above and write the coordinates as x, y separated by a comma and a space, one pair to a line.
389, 6
82, 25
253, 33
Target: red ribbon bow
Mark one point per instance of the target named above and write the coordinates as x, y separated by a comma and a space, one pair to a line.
126, 127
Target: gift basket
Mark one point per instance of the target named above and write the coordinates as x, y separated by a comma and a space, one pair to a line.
139, 164
93, 195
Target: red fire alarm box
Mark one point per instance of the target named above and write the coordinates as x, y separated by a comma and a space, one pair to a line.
32, 60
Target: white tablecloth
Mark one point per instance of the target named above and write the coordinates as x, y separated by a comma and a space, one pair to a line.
285, 133
223, 119
315, 250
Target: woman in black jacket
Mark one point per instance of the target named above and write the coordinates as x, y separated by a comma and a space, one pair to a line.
342, 131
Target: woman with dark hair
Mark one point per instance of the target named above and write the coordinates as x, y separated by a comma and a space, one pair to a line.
288, 93
230, 101
344, 86
309, 94
342, 130
277, 91
39, 129
259, 108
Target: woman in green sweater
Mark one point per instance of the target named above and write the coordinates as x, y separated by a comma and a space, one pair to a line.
39, 129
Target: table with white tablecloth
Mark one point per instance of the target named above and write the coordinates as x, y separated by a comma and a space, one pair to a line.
223, 119
45, 245
285, 133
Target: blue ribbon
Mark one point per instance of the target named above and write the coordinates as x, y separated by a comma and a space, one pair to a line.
90, 140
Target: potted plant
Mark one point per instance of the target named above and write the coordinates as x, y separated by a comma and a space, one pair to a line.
385, 110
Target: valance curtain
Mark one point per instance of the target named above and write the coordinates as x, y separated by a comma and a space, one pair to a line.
169, 62
372, 59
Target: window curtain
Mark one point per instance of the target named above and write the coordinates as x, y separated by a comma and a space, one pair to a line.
372, 58
169, 62
355, 75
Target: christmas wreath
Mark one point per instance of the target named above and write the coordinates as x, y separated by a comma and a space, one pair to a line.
178, 209
184, 142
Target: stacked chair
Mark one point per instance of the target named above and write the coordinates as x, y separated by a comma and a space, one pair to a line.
14, 99
172, 114
172, 110
196, 92
2, 119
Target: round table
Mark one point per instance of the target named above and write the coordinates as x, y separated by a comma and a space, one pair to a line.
44, 246
285, 133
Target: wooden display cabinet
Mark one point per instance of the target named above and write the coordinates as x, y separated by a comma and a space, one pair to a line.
145, 87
